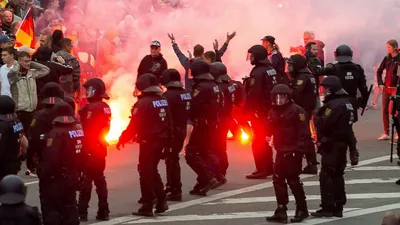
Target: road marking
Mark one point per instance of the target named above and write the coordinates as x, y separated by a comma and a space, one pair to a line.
354, 213
309, 197
227, 194
32, 182
216, 216
373, 168
356, 181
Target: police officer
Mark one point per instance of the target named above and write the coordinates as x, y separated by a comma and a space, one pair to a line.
95, 118
151, 126
304, 94
204, 114
334, 127
179, 105
219, 72
11, 138
289, 125
58, 168
352, 78
42, 122
263, 78
13, 209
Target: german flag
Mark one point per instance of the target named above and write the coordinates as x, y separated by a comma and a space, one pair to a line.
26, 33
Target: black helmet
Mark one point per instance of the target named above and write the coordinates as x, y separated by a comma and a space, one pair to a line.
63, 113
343, 54
12, 190
281, 95
260, 54
219, 70
7, 105
171, 78
333, 84
298, 62
95, 87
201, 70
71, 102
148, 83
52, 93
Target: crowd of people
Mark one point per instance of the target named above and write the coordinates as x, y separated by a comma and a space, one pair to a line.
278, 105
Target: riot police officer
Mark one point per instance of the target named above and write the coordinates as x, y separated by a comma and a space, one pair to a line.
59, 167
42, 122
227, 88
352, 78
95, 118
304, 94
11, 138
204, 115
333, 122
263, 78
289, 125
179, 105
151, 126
13, 209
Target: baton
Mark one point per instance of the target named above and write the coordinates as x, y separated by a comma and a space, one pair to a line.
369, 93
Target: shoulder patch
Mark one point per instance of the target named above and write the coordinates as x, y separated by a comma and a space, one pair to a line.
302, 117
89, 115
107, 110
327, 111
196, 92
33, 123
49, 142
299, 82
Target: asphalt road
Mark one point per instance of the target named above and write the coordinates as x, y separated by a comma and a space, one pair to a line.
370, 187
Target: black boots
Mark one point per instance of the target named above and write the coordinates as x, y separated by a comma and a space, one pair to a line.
301, 214
280, 215
147, 209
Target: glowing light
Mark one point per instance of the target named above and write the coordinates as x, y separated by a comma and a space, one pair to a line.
230, 135
119, 121
244, 138
280, 5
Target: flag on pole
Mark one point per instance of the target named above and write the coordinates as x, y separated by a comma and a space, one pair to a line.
26, 33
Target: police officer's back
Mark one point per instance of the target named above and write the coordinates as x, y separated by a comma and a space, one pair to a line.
179, 105
350, 74
10, 137
59, 167
151, 126
13, 209
95, 119
42, 121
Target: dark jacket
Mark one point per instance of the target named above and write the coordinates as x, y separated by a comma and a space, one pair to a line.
279, 64
304, 90
390, 64
155, 66
10, 133
206, 102
20, 214
316, 67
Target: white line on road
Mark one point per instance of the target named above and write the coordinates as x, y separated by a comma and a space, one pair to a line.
357, 181
32, 182
227, 194
216, 216
373, 168
309, 197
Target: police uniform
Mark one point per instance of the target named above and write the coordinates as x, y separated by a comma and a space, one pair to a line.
13, 209
228, 89
304, 94
58, 168
289, 125
151, 126
334, 127
204, 115
10, 134
179, 105
352, 77
95, 118
263, 78
42, 122
238, 121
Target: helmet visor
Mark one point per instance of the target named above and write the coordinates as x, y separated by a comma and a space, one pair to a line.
90, 92
281, 99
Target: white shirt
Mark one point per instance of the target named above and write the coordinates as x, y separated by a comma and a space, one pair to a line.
5, 84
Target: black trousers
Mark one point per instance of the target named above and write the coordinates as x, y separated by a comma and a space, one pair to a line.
26, 119
172, 165
58, 200
220, 145
9, 169
287, 169
262, 152
198, 154
93, 172
332, 186
310, 153
151, 185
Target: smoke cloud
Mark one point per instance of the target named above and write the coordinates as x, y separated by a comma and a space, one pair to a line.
365, 25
